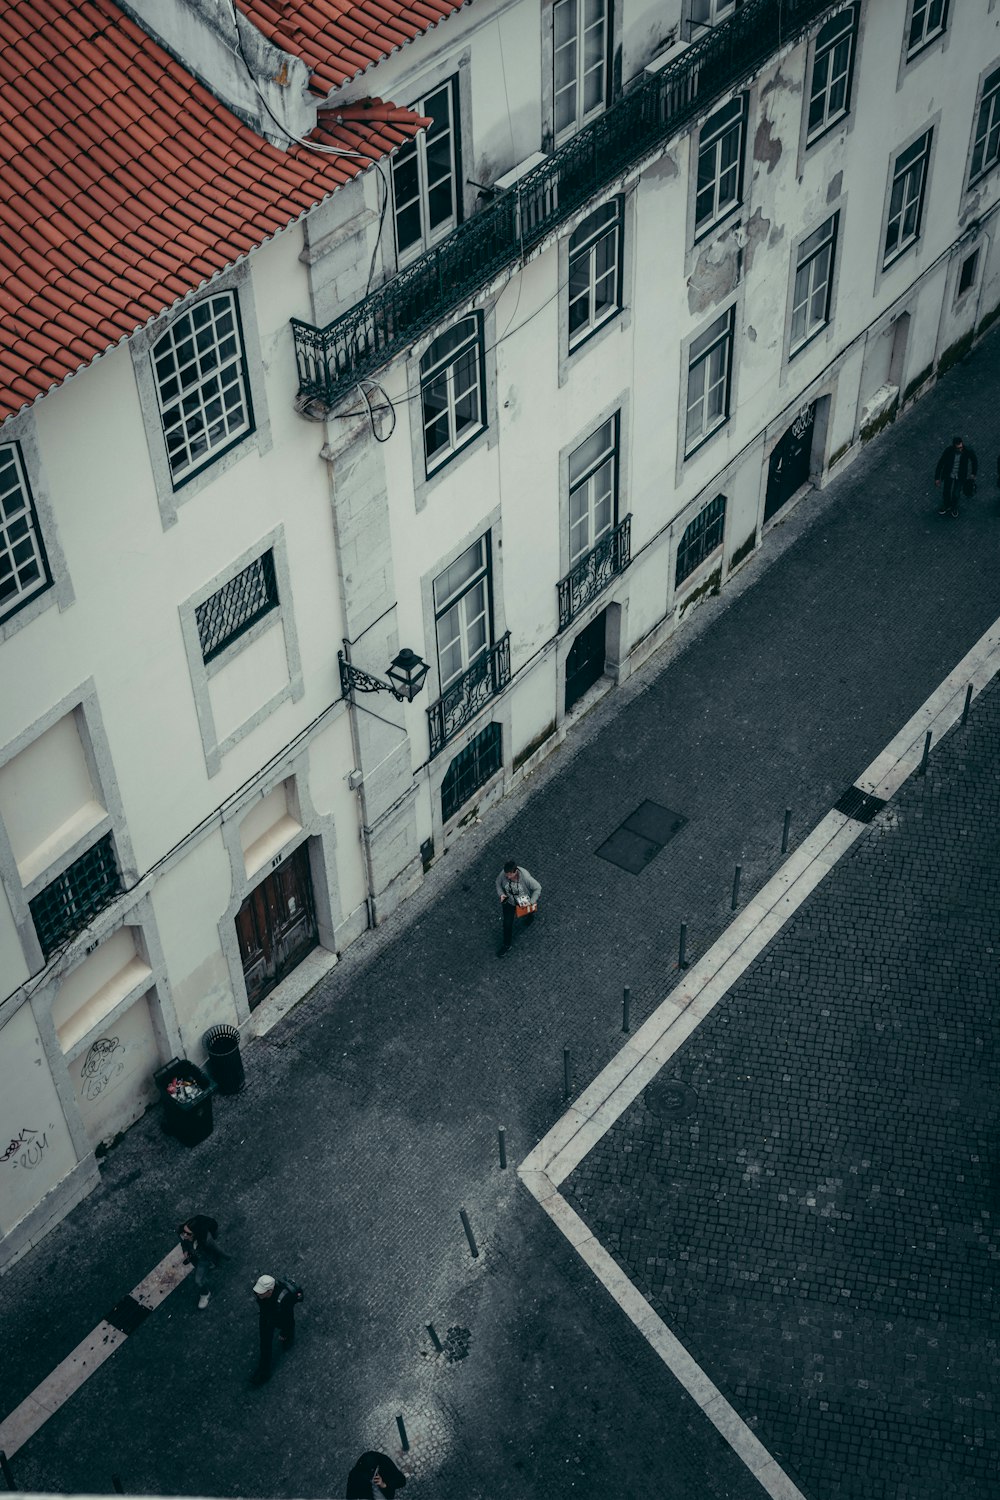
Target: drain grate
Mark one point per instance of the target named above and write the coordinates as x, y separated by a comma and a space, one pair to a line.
641, 837
860, 805
670, 1098
128, 1315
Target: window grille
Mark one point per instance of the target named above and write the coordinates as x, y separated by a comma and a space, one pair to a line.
471, 769
24, 570
701, 538
249, 596
201, 384
66, 906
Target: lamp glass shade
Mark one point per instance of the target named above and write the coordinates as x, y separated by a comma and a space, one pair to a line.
407, 672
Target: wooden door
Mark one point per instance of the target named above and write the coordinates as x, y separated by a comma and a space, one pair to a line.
789, 466
276, 925
585, 662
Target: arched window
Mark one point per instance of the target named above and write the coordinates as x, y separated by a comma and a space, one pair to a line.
701, 538
201, 384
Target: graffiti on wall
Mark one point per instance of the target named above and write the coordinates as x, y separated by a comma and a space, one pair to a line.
102, 1064
26, 1149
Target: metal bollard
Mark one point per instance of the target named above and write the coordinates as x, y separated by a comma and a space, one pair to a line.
117, 1485
434, 1338
502, 1136
468, 1232
681, 957
5, 1470
402, 1434
736, 887
566, 1089
784, 831
927, 751
626, 1001
968, 700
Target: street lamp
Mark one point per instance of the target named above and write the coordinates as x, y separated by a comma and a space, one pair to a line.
406, 674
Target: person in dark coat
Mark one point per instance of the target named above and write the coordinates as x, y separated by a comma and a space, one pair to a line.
200, 1248
374, 1474
276, 1301
956, 468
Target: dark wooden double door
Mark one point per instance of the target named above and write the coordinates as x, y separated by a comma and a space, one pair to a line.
790, 463
585, 662
276, 925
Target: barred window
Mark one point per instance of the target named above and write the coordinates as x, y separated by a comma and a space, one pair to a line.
24, 570
66, 906
471, 769
201, 384
239, 604
701, 538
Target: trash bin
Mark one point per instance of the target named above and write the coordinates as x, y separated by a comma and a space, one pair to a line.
225, 1064
187, 1100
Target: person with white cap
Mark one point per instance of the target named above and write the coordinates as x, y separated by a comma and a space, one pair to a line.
276, 1301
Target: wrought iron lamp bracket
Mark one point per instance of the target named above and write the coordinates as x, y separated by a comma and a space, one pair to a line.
354, 680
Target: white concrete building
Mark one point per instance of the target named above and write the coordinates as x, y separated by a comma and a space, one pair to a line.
638, 276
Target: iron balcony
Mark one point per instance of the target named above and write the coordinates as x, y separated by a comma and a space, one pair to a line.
331, 360
482, 680
594, 571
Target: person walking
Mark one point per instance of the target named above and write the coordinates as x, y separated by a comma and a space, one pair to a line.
955, 474
200, 1248
374, 1474
519, 892
276, 1301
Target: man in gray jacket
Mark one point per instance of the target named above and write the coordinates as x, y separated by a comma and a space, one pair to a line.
516, 888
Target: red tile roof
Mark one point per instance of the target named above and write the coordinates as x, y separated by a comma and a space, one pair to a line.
126, 184
339, 39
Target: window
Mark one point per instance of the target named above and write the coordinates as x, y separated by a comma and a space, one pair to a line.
833, 61
986, 146
201, 385
238, 605
24, 570
701, 538
463, 611
451, 391
593, 489
471, 769
66, 906
711, 12
928, 20
580, 61
709, 368
595, 272
967, 275
906, 199
813, 284
720, 163
425, 176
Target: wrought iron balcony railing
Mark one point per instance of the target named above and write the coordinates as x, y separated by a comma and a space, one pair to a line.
331, 359
488, 675
595, 570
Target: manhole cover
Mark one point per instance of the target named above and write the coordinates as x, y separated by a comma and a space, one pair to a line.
127, 1315
641, 837
670, 1098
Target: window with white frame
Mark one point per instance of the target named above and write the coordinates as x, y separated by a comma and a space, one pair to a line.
833, 63
452, 399
986, 145
701, 538
595, 271
928, 19
710, 358
906, 198
463, 611
240, 603
813, 288
711, 12
580, 48
720, 164
593, 489
24, 569
426, 175
199, 371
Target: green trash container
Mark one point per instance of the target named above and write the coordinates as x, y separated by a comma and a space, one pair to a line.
187, 1100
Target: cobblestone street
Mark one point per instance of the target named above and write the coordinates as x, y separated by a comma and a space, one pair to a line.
817, 1230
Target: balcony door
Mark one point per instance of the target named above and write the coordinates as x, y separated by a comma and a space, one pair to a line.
426, 176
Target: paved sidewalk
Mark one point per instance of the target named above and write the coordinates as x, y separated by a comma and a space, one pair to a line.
372, 1110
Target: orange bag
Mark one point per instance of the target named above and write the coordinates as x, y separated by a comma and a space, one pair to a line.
524, 911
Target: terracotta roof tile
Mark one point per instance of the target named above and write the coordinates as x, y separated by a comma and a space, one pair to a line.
127, 184
340, 39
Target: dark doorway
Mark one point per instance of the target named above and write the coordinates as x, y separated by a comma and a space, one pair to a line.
790, 463
276, 925
585, 663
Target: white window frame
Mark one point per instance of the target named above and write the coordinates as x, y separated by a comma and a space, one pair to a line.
451, 382
722, 126
707, 375
186, 406
574, 50
815, 264
22, 551
706, 14
909, 173
832, 67
474, 593
986, 136
587, 244
927, 20
601, 467
418, 151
